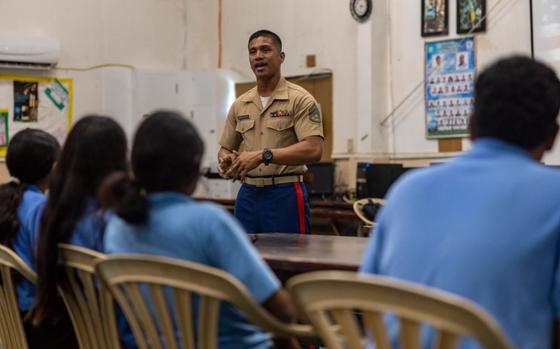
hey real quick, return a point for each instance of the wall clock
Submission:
(361, 9)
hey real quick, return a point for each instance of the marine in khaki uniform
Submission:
(271, 132)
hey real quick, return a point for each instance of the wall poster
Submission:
(450, 71)
(3, 127)
(35, 102)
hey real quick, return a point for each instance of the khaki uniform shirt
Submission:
(290, 116)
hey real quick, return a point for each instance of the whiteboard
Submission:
(34, 102)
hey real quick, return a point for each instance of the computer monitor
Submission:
(322, 179)
(374, 180)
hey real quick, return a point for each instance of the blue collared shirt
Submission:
(204, 233)
(90, 228)
(88, 233)
(29, 214)
(485, 226)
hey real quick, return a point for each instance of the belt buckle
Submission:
(259, 182)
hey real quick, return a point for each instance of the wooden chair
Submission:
(337, 302)
(89, 304)
(12, 333)
(155, 293)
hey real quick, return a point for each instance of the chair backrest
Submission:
(88, 302)
(359, 209)
(338, 303)
(155, 294)
(12, 334)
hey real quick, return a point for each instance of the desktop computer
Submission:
(374, 180)
(322, 179)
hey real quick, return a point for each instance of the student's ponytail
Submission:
(125, 197)
(11, 194)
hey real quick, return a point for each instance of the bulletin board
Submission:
(450, 69)
(35, 102)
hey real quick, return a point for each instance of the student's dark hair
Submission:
(166, 155)
(95, 147)
(517, 100)
(266, 33)
(30, 158)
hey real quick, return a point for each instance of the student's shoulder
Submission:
(34, 196)
(202, 210)
(419, 182)
(32, 201)
(419, 176)
(545, 176)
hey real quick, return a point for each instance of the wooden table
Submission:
(290, 254)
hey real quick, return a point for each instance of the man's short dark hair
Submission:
(267, 33)
(517, 100)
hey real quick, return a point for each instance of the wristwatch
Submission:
(267, 156)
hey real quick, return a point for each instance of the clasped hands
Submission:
(236, 165)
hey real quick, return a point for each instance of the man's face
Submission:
(264, 57)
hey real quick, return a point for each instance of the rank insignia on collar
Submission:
(279, 113)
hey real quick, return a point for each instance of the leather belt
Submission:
(265, 181)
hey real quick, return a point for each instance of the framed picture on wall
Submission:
(471, 16)
(4, 138)
(435, 18)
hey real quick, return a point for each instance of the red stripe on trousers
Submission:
(301, 213)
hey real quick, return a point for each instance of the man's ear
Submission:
(282, 57)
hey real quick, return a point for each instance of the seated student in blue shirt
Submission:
(30, 157)
(95, 147)
(486, 225)
(157, 216)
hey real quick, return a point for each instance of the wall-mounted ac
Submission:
(28, 52)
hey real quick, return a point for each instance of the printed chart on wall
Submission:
(34, 102)
(450, 70)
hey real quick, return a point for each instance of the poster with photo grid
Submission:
(450, 71)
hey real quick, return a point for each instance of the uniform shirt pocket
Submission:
(244, 125)
(280, 124)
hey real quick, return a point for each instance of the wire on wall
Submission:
(98, 66)
(421, 83)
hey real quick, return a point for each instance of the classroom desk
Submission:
(290, 254)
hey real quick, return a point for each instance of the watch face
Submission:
(268, 155)
(360, 9)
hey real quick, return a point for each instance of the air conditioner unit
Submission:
(37, 53)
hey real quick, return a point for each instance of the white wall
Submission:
(320, 27)
(375, 65)
(140, 33)
(508, 32)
